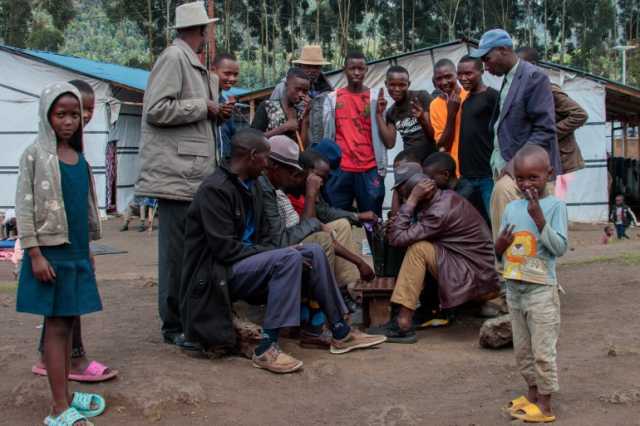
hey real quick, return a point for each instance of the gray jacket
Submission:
(177, 147)
(40, 210)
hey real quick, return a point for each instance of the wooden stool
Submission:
(376, 295)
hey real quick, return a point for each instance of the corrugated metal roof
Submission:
(134, 78)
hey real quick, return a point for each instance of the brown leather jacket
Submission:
(569, 117)
(464, 250)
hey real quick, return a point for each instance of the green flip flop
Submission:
(83, 402)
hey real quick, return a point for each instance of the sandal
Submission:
(82, 402)
(517, 404)
(95, 372)
(68, 417)
(531, 413)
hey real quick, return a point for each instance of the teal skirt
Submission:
(73, 293)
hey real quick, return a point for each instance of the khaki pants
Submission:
(505, 191)
(420, 258)
(535, 320)
(346, 272)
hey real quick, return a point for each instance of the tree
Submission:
(92, 35)
(43, 34)
(15, 19)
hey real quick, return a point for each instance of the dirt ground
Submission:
(445, 379)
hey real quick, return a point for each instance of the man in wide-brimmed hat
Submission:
(177, 149)
(311, 61)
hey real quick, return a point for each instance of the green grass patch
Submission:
(8, 287)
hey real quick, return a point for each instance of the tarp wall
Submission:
(126, 133)
(586, 192)
(21, 82)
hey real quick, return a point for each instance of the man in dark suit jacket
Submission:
(524, 114)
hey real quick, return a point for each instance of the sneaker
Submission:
(276, 361)
(141, 228)
(355, 340)
(315, 341)
(124, 228)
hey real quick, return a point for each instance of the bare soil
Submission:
(444, 379)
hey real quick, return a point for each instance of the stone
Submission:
(496, 333)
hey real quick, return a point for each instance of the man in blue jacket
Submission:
(524, 114)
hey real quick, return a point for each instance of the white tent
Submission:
(23, 75)
(587, 193)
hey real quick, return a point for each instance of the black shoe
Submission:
(170, 337)
(186, 345)
(142, 228)
(393, 333)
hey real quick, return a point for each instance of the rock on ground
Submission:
(496, 332)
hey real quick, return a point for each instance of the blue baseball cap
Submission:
(490, 40)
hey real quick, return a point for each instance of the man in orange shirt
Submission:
(444, 111)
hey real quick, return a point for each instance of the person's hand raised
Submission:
(505, 239)
(534, 209)
(313, 185)
(381, 105)
(422, 191)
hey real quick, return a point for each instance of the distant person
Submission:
(533, 233)
(57, 279)
(350, 120)
(445, 237)
(227, 69)
(525, 115)
(607, 235)
(569, 117)
(476, 146)
(178, 150)
(408, 116)
(622, 217)
(444, 112)
(280, 116)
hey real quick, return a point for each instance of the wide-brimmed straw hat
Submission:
(311, 55)
(192, 15)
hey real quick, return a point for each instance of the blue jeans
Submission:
(367, 188)
(483, 186)
(621, 231)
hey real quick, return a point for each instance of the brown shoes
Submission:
(355, 340)
(315, 341)
(276, 361)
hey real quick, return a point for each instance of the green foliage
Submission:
(44, 35)
(92, 35)
(15, 17)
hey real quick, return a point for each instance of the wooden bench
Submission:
(376, 296)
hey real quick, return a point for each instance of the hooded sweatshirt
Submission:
(40, 210)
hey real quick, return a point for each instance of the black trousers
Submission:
(170, 258)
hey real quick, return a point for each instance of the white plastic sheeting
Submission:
(21, 82)
(586, 191)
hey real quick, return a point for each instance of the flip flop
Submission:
(95, 372)
(40, 371)
(82, 402)
(67, 418)
(531, 413)
(516, 404)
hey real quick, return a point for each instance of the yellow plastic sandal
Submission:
(517, 404)
(532, 414)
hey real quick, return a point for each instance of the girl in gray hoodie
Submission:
(57, 215)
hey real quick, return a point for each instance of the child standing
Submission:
(533, 234)
(82, 370)
(57, 213)
(622, 217)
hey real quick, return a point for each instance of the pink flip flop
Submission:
(95, 372)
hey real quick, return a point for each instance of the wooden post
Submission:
(211, 35)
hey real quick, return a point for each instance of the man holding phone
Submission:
(227, 69)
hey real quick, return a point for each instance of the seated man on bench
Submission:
(223, 263)
(445, 236)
